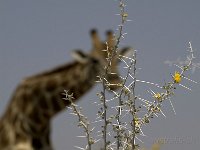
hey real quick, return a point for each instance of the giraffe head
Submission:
(99, 53)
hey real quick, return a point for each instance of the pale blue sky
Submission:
(39, 34)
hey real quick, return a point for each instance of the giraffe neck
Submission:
(41, 97)
(38, 98)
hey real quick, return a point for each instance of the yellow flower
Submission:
(137, 122)
(125, 15)
(157, 96)
(177, 77)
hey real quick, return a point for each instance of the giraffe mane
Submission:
(58, 69)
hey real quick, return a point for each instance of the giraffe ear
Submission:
(126, 51)
(80, 56)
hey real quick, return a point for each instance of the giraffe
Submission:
(25, 124)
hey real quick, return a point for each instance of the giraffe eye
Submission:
(95, 61)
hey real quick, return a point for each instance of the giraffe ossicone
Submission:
(25, 125)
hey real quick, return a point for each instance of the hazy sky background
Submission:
(36, 35)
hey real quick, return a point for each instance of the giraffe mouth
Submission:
(115, 82)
